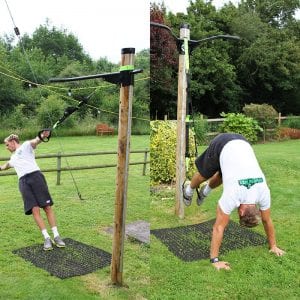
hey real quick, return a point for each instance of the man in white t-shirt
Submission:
(32, 185)
(230, 160)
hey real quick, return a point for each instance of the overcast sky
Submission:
(103, 27)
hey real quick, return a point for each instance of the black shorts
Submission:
(34, 190)
(208, 163)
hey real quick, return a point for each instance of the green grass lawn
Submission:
(82, 220)
(255, 274)
(150, 273)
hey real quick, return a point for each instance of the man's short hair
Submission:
(251, 217)
(12, 137)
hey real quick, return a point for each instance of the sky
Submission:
(103, 27)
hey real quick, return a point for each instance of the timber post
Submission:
(183, 68)
(124, 133)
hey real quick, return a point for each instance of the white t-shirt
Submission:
(243, 179)
(23, 160)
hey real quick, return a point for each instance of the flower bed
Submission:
(292, 133)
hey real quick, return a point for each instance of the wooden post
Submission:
(279, 119)
(181, 126)
(145, 162)
(124, 133)
(58, 168)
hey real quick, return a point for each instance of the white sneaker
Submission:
(48, 244)
(59, 242)
(187, 200)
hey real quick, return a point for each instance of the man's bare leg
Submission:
(215, 180)
(196, 180)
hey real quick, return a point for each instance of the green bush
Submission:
(239, 123)
(291, 122)
(51, 110)
(264, 114)
(201, 129)
(16, 119)
(163, 152)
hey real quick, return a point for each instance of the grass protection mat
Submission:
(192, 242)
(73, 260)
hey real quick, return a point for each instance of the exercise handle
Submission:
(44, 139)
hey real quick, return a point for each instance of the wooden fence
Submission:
(279, 119)
(59, 167)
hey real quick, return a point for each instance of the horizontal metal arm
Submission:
(165, 27)
(195, 43)
(214, 37)
(110, 77)
(105, 76)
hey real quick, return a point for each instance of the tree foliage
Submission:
(163, 60)
(263, 67)
(49, 53)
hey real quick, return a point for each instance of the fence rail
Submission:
(60, 169)
(220, 120)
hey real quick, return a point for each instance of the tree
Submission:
(163, 60)
(55, 43)
(277, 13)
(214, 85)
(10, 89)
(269, 69)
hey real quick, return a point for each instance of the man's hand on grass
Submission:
(277, 251)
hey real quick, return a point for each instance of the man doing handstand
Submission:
(230, 159)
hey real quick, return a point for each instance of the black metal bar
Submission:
(105, 76)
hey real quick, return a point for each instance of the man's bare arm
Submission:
(270, 232)
(222, 221)
(5, 166)
(34, 142)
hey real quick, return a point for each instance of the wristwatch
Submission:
(214, 260)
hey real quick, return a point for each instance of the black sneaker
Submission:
(200, 195)
(187, 200)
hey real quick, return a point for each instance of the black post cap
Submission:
(187, 26)
(128, 51)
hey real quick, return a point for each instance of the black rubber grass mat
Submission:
(192, 242)
(73, 260)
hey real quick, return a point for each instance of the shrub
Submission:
(239, 123)
(291, 122)
(51, 110)
(15, 120)
(201, 129)
(163, 152)
(264, 114)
